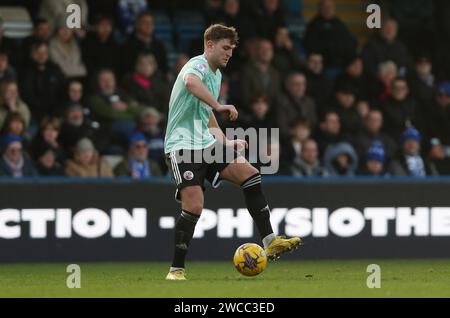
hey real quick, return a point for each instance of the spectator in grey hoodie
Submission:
(341, 160)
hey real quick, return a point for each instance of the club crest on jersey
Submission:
(201, 67)
(188, 175)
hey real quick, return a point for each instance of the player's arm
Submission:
(195, 85)
(217, 132)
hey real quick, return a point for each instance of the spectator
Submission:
(380, 90)
(41, 33)
(329, 131)
(143, 41)
(150, 126)
(137, 164)
(128, 11)
(410, 162)
(113, 109)
(146, 85)
(87, 162)
(260, 115)
(300, 131)
(7, 45)
(307, 164)
(13, 162)
(438, 114)
(180, 61)
(295, 103)
(375, 159)
(212, 10)
(345, 106)
(285, 58)
(341, 160)
(76, 127)
(41, 83)
(48, 138)
(269, 17)
(10, 102)
(259, 77)
(7, 72)
(438, 157)
(319, 87)
(232, 15)
(75, 93)
(327, 34)
(423, 82)
(99, 49)
(385, 46)
(15, 124)
(400, 110)
(372, 131)
(50, 10)
(46, 163)
(65, 52)
(354, 77)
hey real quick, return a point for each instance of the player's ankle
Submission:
(268, 239)
(173, 269)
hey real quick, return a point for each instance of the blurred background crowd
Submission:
(93, 102)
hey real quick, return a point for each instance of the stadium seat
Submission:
(189, 26)
(16, 22)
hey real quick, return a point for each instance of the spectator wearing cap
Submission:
(410, 162)
(13, 162)
(146, 84)
(65, 52)
(7, 72)
(341, 160)
(329, 36)
(400, 110)
(15, 125)
(438, 115)
(42, 83)
(294, 103)
(137, 164)
(439, 157)
(375, 160)
(307, 164)
(150, 125)
(87, 162)
(99, 48)
(46, 162)
(11, 102)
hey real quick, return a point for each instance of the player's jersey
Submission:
(187, 126)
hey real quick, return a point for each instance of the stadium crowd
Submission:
(68, 98)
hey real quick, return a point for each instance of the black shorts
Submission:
(195, 170)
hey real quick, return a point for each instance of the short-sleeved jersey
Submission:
(187, 126)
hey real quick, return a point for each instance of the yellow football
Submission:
(250, 259)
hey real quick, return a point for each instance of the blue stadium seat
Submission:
(189, 26)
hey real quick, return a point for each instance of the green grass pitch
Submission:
(399, 278)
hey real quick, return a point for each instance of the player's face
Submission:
(222, 52)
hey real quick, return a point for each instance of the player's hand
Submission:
(228, 110)
(238, 144)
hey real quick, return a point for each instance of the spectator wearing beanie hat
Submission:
(87, 162)
(375, 161)
(13, 162)
(137, 164)
(410, 162)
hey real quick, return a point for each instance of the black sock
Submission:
(257, 204)
(184, 230)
